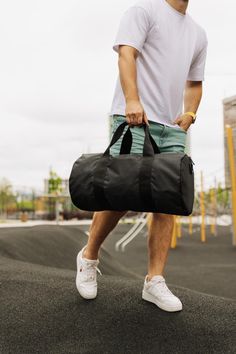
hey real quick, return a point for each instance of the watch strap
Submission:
(192, 114)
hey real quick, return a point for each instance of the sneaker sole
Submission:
(77, 283)
(148, 297)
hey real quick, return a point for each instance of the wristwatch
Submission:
(193, 115)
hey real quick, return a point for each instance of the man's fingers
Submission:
(139, 118)
(177, 120)
(127, 119)
(134, 118)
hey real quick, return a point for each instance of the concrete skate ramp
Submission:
(42, 312)
(53, 246)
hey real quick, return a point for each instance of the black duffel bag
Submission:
(148, 182)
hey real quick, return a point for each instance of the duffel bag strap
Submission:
(145, 189)
(149, 143)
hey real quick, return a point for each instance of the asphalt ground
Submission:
(41, 311)
(208, 267)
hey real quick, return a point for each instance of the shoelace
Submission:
(91, 268)
(162, 287)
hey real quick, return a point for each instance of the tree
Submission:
(54, 189)
(54, 183)
(6, 196)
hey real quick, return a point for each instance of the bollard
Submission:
(24, 216)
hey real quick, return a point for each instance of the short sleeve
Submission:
(197, 68)
(133, 28)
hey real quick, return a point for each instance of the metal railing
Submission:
(132, 233)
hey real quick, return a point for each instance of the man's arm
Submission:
(192, 96)
(134, 112)
(192, 99)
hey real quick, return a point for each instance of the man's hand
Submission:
(184, 121)
(135, 114)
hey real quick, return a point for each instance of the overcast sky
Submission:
(57, 79)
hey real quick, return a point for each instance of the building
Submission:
(229, 106)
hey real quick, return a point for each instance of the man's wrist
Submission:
(191, 114)
(133, 99)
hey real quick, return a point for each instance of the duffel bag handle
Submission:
(126, 143)
(116, 136)
(149, 148)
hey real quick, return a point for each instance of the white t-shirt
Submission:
(172, 49)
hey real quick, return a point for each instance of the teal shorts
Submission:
(168, 139)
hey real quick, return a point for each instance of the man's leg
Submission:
(161, 225)
(103, 223)
(159, 240)
(155, 289)
(87, 259)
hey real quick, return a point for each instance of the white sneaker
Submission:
(155, 290)
(86, 277)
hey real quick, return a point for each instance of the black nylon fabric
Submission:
(150, 182)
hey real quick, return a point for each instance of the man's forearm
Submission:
(128, 77)
(192, 96)
(134, 110)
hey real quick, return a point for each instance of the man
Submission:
(162, 53)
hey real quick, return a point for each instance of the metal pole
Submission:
(174, 238)
(190, 228)
(179, 230)
(215, 206)
(213, 219)
(57, 211)
(202, 204)
(233, 178)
